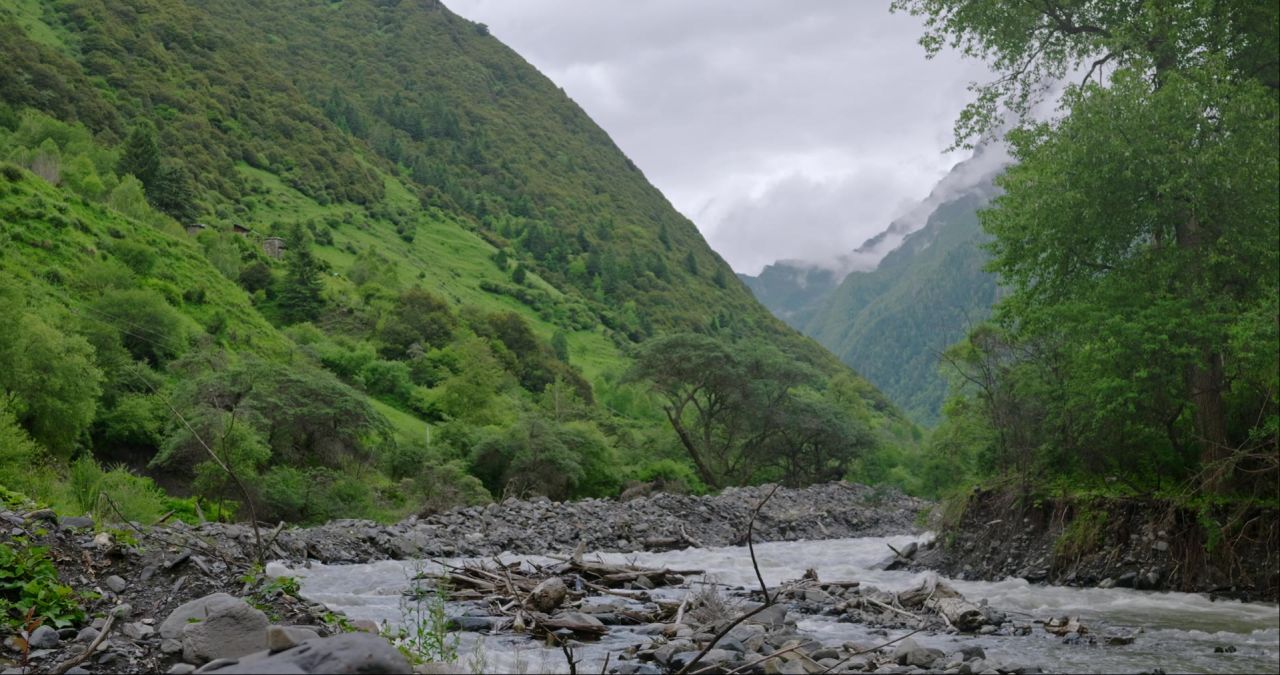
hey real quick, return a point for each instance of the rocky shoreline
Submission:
(1146, 544)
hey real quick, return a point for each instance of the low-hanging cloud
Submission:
(781, 129)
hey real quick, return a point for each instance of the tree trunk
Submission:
(703, 472)
(1206, 380)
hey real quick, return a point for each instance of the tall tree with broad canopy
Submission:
(747, 411)
(1142, 218)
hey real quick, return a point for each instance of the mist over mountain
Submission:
(889, 307)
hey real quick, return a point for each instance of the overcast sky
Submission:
(783, 129)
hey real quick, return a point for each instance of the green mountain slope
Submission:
(469, 262)
(892, 323)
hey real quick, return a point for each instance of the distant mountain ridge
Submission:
(894, 303)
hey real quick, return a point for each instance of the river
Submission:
(1180, 630)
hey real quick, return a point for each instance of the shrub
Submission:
(150, 328)
(29, 585)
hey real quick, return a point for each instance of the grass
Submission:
(445, 257)
(29, 14)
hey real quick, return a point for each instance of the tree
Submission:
(174, 193)
(301, 293)
(724, 401)
(1142, 222)
(141, 155)
(560, 345)
(49, 380)
(420, 317)
(148, 326)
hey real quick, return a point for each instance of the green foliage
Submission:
(29, 584)
(49, 377)
(427, 638)
(1136, 235)
(409, 186)
(419, 319)
(746, 411)
(115, 494)
(540, 456)
(301, 292)
(148, 326)
(1084, 534)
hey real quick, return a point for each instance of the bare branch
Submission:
(763, 589)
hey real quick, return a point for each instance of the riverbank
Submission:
(1146, 544)
(141, 575)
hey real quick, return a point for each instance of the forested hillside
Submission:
(320, 259)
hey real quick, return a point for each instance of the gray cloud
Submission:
(782, 129)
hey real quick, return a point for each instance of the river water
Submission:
(1180, 630)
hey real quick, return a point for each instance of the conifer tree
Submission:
(301, 296)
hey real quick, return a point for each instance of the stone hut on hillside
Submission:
(273, 246)
(241, 230)
(196, 228)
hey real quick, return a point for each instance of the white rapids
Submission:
(1180, 630)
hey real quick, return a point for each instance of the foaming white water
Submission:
(1181, 630)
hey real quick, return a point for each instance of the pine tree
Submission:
(301, 296)
(141, 156)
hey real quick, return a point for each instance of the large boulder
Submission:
(346, 654)
(191, 612)
(230, 630)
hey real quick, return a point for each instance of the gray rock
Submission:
(341, 654)
(76, 670)
(196, 610)
(549, 594)
(231, 630)
(138, 631)
(280, 638)
(715, 656)
(44, 637)
(638, 669)
(180, 669)
(440, 668)
(909, 653)
(75, 522)
(122, 611)
(970, 652)
(115, 583)
(170, 646)
(471, 623)
(216, 664)
(774, 617)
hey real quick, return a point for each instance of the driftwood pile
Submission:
(541, 599)
(933, 604)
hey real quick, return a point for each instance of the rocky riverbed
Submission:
(178, 598)
(136, 576)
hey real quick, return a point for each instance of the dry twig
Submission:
(93, 646)
(763, 589)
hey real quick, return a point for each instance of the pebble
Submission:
(115, 583)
